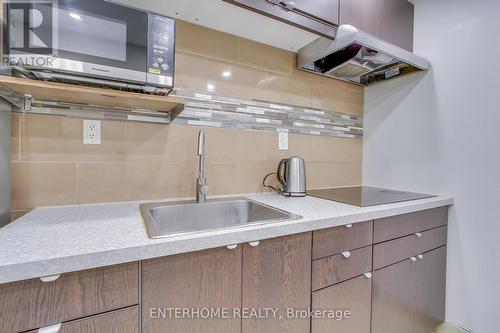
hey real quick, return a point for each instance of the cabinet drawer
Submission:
(388, 253)
(407, 224)
(32, 304)
(353, 295)
(335, 240)
(331, 270)
(120, 321)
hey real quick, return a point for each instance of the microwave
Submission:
(92, 42)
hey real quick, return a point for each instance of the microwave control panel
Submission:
(161, 44)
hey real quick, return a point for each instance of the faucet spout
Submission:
(201, 181)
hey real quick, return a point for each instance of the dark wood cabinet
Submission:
(206, 279)
(388, 253)
(393, 303)
(322, 270)
(431, 290)
(331, 270)
(402, 225)
(332, 241)
(119, 321)
(32, 304)
(353, 295)
(277, 274)
(410, 296)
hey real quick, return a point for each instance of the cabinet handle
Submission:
(346, 254)
(51, 278)
(413, 259)
(420, 256)
(348, 226)
(254, 244)
(368, 275)
(418, 234)
(232, 247)
(50, 329)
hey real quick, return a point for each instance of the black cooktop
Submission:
(364, 196)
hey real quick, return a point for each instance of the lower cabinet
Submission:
(431, 286)
(409, 296)
(271, 286)
(271, 274)
(120, 321)
(277, 275)
(351, 303)
(189, 282)
(31, 304)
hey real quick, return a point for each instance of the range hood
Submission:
(358, 57)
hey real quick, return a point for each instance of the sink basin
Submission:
(174, 218)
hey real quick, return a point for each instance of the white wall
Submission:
(440, 133)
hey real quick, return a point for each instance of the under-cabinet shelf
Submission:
(80, 101)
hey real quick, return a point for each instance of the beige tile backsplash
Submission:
(141, 161)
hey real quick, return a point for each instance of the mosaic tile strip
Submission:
(203, 109)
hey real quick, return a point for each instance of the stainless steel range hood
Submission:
(358, 57)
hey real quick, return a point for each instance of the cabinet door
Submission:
(277, 274)
(431, 289)
(31, 304)
(304, 16)
(326, 10)
(393, 298)
(207, 279)
(353, 295)
(120, 321)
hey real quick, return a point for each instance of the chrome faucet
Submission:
(201, 181)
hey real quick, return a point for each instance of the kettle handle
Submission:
(281, 172)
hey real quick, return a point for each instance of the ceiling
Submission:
(219, 15)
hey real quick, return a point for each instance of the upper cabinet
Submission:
(324, 10)
(317, 16)
(391, 20)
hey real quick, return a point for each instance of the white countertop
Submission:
(55, 240)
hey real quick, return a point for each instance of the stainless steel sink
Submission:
(168, 219)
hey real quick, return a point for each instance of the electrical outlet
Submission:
(91, 132)
(283, 140)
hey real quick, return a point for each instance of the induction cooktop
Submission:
(364, 196)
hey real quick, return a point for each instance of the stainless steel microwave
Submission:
(91, 41)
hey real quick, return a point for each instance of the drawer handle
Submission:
(346, 254)
(413, 259)
(232, 247)
(50, 329)
(368, 275)
(348, 226)
(418, 234)
(51, 278)
(254, 244)
(420, 256)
